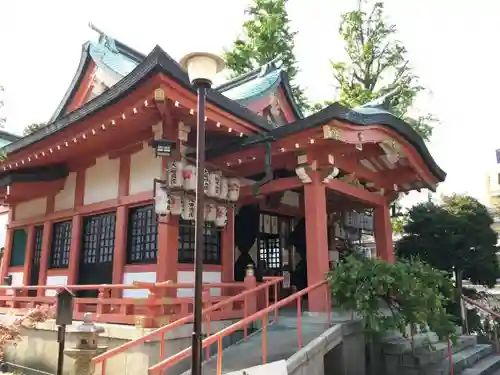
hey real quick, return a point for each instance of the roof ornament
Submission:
(104, 39)
(385, 102)
(270, 66)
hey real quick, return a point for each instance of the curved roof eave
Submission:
(158, 61)
(77, 78)
(337, 111)
(288, 93)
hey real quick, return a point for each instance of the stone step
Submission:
(486, 366)
(461, 360)
(399, 345)
(425, 355)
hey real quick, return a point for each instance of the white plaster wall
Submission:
(188, 277)
(55, 280)
(144, 167)
(4, 220)
(65, 199)
(101, 180)
(17, 280)
(32, 208)
(130, 277)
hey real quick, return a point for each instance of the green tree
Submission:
(33, 128)
(266, 35)
(415, 294)
(377, 63)
(455, 237)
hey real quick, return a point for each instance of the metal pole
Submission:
(198, 228)
(61, 339)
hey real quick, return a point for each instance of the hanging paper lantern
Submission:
(234, 189)
(224, 188)
(339, 231)
(176, 204)
(175, 178)
(189, 175)
(210, 212)
(214, 185)
(188, 208)
(351, 219)
(366, 222)
(221, 218)
(162, 201)
(206, 180)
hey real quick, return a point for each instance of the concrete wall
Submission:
(38, 348)
(339, 350)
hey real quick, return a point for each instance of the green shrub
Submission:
(394, 296)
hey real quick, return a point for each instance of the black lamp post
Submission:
(202, 68)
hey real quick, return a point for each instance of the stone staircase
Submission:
(431, 357)
(319, 339)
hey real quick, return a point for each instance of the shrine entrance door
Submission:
(98, 244)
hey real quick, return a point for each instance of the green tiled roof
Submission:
(6, 138)
(107, 57)
(256, 88)
(242, 89)
(119, 60)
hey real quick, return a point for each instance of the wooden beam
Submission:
(275, 186)
(356, 193)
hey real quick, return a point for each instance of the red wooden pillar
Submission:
(316, 240)
(120, 252)
(167, 259)
(75, 248)
(28, 257)
(45, 254)
(383, 233)
(7, 253)
(227, 258)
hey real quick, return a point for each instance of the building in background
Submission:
(493, 190)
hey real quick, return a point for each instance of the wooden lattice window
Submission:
(37, 250)
(61, 243)
(212, 248)
(274, 229)
(99, 238)
(142, 242)
(270, 250)
(18, 254)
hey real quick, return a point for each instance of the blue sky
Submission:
(451, 46)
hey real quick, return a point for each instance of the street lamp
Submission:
(201, 68)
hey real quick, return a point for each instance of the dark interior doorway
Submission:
(35, 264)
(98, 244)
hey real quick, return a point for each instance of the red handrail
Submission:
(489, 311)
(479, 306)
(262, 314)
(102, 358)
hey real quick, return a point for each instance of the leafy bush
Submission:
(412, 294)
(10, 327)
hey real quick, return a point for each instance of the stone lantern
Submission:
(86, 346)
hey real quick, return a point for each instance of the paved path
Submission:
(281, 344)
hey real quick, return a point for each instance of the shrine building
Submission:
(94, 200)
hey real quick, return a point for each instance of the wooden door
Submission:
(35, 262)
(98, 245)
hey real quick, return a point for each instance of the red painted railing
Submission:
(248, 298)
(492, 313)
(160, 307)
(260, 315)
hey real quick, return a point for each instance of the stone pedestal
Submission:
(86, 348)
